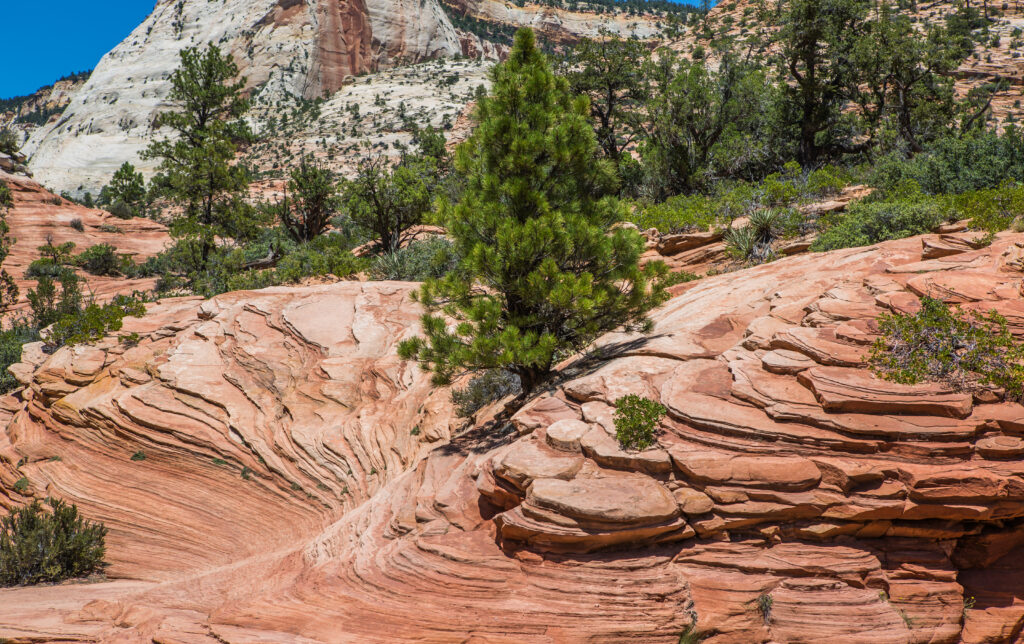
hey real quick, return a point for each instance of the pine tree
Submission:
(541, 271)
(197, 167)
(126, 193)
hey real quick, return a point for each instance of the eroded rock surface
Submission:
(786, 475)
(39, 216)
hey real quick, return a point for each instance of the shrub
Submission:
(49, 305)
(101, 259)
(8, 142)
(829, 180)
(484, 389)
(417, 262)
(11, 341)
(679, 277)
(40, 546)
(94, 321)
(44, 267)
(991, 210)
(6, 200)
(635, 420)
(325, 255)
(77, 224)
(967, 351)
(679, 214)
(958, 164)
(866, 223)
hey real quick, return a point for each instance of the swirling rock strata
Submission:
(792, 496)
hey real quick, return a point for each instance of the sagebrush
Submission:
(40, 545)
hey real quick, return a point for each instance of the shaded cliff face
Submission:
(792, 497)
(43, 106)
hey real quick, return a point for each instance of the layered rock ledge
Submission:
(786, 475)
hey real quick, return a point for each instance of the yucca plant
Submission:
(753, 242)
(39, 545)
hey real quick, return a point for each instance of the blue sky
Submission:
(46, 40)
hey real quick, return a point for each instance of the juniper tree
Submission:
(198, 173)
(386, 201)
(306, 214)
(609, 70)
(542, 272)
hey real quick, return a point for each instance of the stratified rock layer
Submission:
(792, 495)
(39, 217)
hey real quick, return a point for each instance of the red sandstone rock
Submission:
(865, 511)
(36, 217)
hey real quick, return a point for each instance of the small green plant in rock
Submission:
(40, 546)
(690, 635)
(968, 605)
(635, 420)
(21, 486)
(764, 604)
(966, 350)
(139, 456)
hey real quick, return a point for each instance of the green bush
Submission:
(957, 164)
(828, 180)
(41, 546)
(11, 341)
(635, 420)
(699, 212)
(101, 259)
(49, 305)
(865, 223)
(180, 269)
(419, 261)
(45, 267)
(53, 260)
(94, 321)
(326, 255)
(992, 210)
(6, 200)
(679, 214)
(484, 389)
(967, 351)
